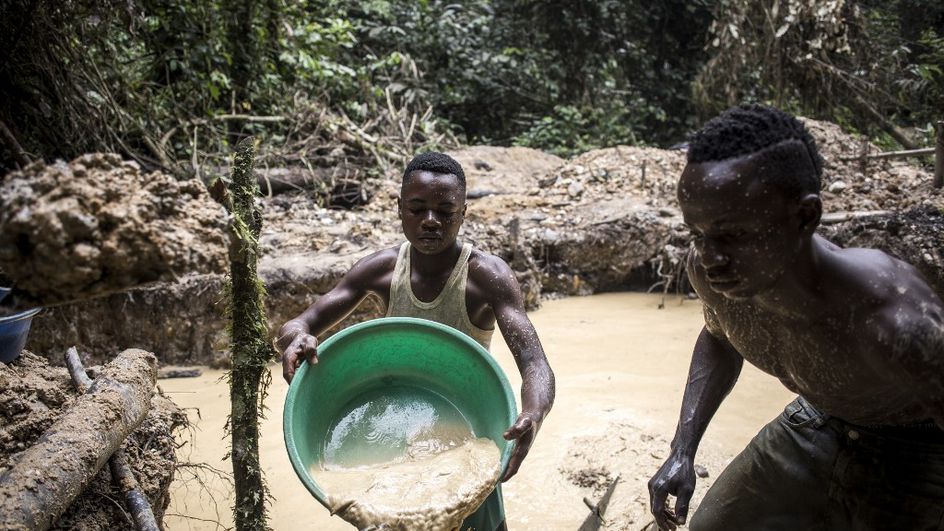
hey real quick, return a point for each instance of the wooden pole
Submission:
(939, 156)
(864, 157)
(894, 154)
(44, 480)
(251, 349)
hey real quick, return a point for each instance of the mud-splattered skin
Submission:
(855, 331)
(432, 208)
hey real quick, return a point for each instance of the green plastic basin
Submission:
(390, 355)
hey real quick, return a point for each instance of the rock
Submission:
(701, 471)
(575, 189)
(550, 237)
(837, 187)
(482, 165)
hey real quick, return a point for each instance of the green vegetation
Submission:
(362, 85)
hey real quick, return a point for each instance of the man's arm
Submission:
(714, 370)
(297, 338)
(537, 379)
(917, 352)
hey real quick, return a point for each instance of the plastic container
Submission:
(387, 354)
(14, 330)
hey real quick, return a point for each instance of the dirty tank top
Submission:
(447, 308)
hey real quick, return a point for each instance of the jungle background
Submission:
(173, 84)
(119, 120)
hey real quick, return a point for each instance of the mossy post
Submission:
(251, 349)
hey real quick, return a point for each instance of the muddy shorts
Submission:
(808, 471)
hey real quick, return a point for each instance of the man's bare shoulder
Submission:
(374, 266)
(486, 269)
(876, 279)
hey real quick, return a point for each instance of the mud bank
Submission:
(606, 220)
(33, 395)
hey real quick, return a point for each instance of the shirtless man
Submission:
(857, 334)
(436, 277)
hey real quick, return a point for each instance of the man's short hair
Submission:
(783, 143)
(435, 162)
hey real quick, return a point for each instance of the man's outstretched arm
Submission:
(297, 338)
(715, 368)
(537, 379)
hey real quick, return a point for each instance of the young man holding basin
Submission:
(434, 276)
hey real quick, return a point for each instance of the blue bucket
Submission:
(13, 332)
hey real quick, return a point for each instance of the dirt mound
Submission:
(882, 184)
(99, 224)
(33, 395)
(646, 173)
(511, 170)
(605, 220)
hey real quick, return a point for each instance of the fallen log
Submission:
(274, 181)
(892, 154)
(165, 374)
(47, 477)
(839, 217)
(121, 474)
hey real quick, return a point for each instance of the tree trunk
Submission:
(242, 46)
(939, 156)
(48, 476)
(893, 130)
(251, 348)
(135, 500)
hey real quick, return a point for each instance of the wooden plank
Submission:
(893, 154)
(939, 156)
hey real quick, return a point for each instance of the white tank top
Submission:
(447, 308)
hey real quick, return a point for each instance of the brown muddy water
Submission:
(620, 364)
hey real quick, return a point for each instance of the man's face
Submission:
(746, 233)
(432, 208)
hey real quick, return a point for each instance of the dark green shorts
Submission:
(808, 471)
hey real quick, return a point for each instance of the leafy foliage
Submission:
(874, 66)
(352, 85)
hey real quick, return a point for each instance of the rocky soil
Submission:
(605, 220)
(99, 224)
(34, 394)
